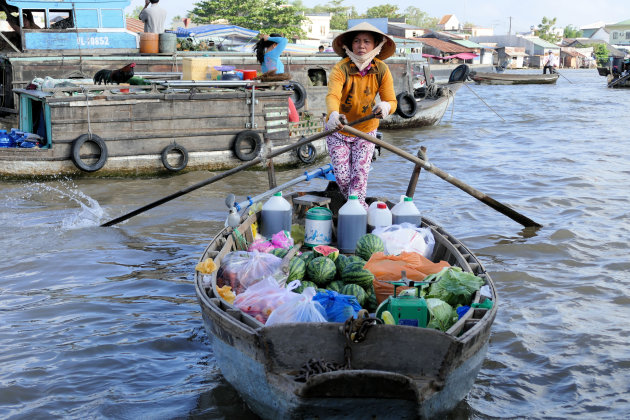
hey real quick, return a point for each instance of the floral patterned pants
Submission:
(351, 158)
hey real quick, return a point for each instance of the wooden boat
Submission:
(513, 78)
(397, 371)
(159, 128)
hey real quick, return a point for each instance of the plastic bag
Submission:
(388, 267)
(299, 308)
(261, 299)
(338, 307)
(242, 269)
(406, 237)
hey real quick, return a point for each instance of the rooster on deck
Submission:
(114, 76)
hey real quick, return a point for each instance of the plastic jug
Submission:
(318, 227)
(5, 141)
(406, 212)
(379, 216)
(351, 224)
(276, 215)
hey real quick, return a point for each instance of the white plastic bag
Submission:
(406, 237)
(299, 308)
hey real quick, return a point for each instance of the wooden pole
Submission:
(489, 201)
(413, 181)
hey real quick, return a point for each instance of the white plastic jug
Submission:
(276, 215)
(406, 212)
(351, 224)
(379, 216)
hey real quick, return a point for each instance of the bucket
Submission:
(168, 43)
(249, 74)
(318, 227)
(149, 43)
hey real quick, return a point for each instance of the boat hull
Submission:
(514, 79)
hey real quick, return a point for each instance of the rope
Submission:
(354, 331)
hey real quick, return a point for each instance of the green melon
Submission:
(336, 286)
(304, 284)
(341, 262)
(321, 270)
(368, 244)
(307, 256)
(355, 290)
(370, 303)
(297, 269)
(354, 273)
(279, 252)
(326, 251)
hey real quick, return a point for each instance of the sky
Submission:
(484, 13)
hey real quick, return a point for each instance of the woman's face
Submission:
(363, 43)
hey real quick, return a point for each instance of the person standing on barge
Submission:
(268, 50)
(153, 17)
(352, 88)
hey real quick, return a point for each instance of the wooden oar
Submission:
(564, 76)
(502, 208)
(225, 174)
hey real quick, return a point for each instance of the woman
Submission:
(268, 50)
(352, 88)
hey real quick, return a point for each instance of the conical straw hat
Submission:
(387, 51)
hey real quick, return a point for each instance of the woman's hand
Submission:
(336, 121)
(265, 37)
(381, 110)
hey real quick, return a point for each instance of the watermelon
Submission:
(344, 260)
(326, 251)
(354, 273)
(307, 256)
(335, 286)
(297, 269)
(321, 270)
(368, 244)
(355, 290)
(279, 252)
(304, 285)
(370, 303)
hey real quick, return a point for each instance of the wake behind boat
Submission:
(509, 78)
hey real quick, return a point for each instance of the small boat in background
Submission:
(508, 78)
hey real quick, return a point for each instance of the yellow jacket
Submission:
(353, 95)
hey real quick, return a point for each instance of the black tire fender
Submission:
(299, 94)
(175, 148)
(247, 137)
(76, 152)
(459, 74)
(407, 106)
(306, 153)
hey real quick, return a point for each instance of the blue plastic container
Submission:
(5, 140)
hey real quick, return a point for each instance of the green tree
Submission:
(601, 54)
(417, 17)
(135, 12)
(546, 30)
(384, 11)
(571, 31)
(260, 15)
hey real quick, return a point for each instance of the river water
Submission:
(103, 322)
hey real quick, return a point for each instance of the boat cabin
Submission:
(83, 26)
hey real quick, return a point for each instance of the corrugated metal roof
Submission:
(134, 25)
(444, 46)
(542, 43)
(408, 42)
(469, 44)
(444, 19)
(622, 23)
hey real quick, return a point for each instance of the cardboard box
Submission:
(196, 68)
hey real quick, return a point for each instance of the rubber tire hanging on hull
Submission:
(247, 137)
(175, 148)
(459, 74)
(306, 153)
(299, 94)
(407, 105)
(76, 152)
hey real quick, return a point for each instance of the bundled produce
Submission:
(443, 316)
(262, 298)
(454, 286)
(242, 269)
(298, 308)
